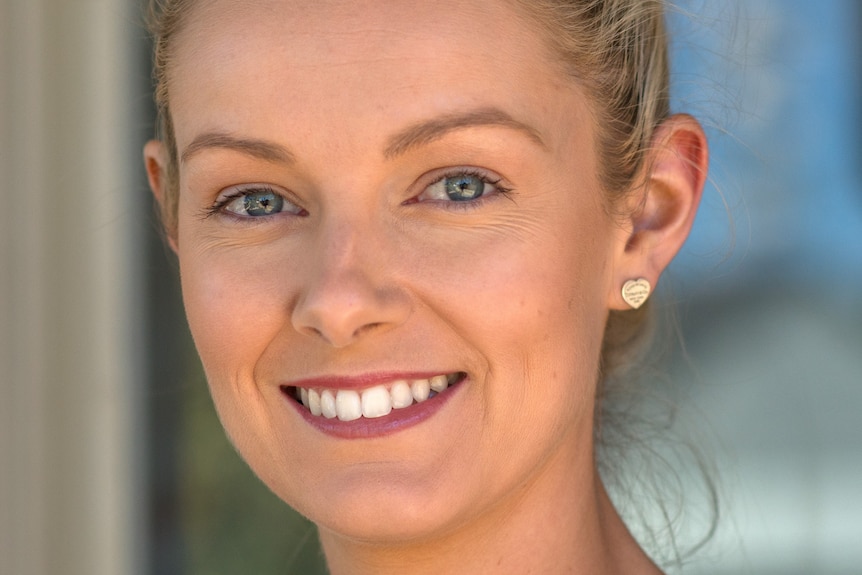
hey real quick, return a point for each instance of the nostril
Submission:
(332, 336)
(338, 308)
(316, 332)
(364, 329)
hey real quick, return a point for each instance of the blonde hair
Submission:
(164, 20)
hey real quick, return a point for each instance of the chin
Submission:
(379, 507)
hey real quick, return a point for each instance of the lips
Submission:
(372, 402)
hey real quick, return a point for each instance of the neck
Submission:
(563, 522)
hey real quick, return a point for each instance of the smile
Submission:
(375, 401)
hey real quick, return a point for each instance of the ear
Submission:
(663, 211)
(156, 162)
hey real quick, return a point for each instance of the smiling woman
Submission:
(404, 231)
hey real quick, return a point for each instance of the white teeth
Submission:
(376, 402)
(421, 389)
(400, 395)
(327, 404)
(348, 406)
(439, 383)
(314, 402)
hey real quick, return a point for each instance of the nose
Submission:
(348, 290)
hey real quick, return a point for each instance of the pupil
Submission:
(464, 188)
(262, 204)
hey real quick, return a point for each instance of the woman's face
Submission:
(373, 194)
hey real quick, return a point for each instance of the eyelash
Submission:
(468, 205)
(218, 207)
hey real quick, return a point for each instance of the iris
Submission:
(464, 187)
(262, 203)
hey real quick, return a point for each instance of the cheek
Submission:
(534, 307)
(232, 303)
(235, 309)
(534, 312)
(545, 285)
(553, 320)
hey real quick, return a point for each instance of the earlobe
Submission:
(661, 220)
(155, 162)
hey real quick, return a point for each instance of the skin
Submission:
(373, 274)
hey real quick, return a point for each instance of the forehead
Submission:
(324, 26)
(348, 59)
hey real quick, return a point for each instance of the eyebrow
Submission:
(262, 149)
(427, 131)
(414, 136)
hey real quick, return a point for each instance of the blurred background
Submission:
(112, 460)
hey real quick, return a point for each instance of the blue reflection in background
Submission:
(772, 313)
(782, 77)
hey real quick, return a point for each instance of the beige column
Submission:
(70, 289)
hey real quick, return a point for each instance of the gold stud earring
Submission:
(636, 292)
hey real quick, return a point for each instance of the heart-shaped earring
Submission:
(636, 292)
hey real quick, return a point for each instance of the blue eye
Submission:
(460, 187)
(463, 187)
(258, 202)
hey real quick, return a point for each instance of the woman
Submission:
(406, 230)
